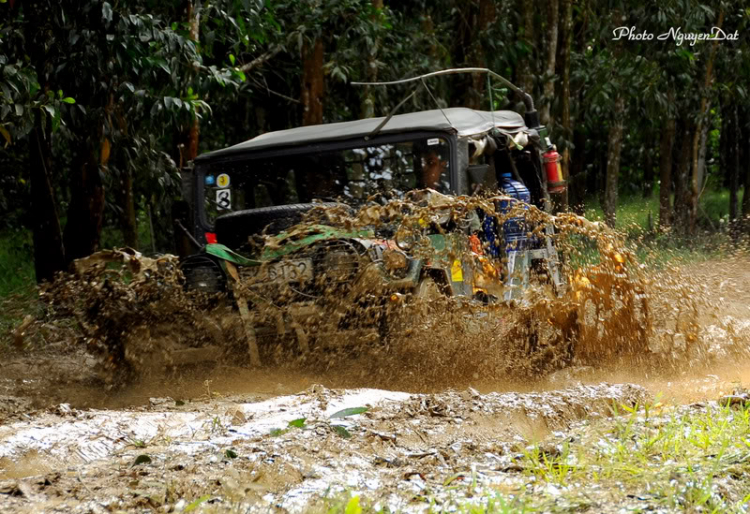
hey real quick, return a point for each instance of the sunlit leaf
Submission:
(142, 459)
(196, 503)
(353, 506)
(5, 134)
(298, 423)
(107, 12)
(348, 412)
(342, 431)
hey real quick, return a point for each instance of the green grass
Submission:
(17, 281)
(647, 458)
(638, 219)
(16, 262)
(681, 459)
(633, 211)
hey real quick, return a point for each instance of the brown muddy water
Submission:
(453, 393)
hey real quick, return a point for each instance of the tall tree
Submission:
(49, 252)
(526, 39)
(665, 163)
(682, 175)
(566, 37)
(553, 9)
(313, 83)
(733, 162)
(614, 151)
(700, 136)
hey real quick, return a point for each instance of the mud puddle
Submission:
(285, 452)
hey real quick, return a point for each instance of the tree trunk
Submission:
(472, 19)
(49, 251)
(577, 178)
(648, 172)
(191, 151)
(682, 179)
(549, 73)
(665, 170)
(86, 211)
(526, 36)
(614, 150)
(312, 83)
(566, 26)
(367, 107)
(594, 179)
(699, 138)
(746, 160)
(49, 254)
(699, 174)
(724, 142)
(577, 182)
(128, 223)
(733, 161)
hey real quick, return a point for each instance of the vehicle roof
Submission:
(457, 120)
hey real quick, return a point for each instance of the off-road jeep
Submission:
(267, 185)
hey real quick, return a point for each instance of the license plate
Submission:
(285, 271)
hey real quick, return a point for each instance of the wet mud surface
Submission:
(244, 453)
(237, 439)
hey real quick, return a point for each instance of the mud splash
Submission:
(134, 314)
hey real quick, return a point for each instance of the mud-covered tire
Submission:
(203, 274)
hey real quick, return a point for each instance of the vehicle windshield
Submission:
(349, 176)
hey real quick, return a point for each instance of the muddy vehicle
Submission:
(268, 184)
(272, 219)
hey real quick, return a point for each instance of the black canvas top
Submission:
(461, 121)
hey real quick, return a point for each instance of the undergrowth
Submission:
(645, 458)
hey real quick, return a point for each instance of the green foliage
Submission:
(197, 503)
(297, 423)
(142, 459)
(348, 412)
(16, 262)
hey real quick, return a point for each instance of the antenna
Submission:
(492, 103)
(527, 99)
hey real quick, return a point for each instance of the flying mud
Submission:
(136, 317)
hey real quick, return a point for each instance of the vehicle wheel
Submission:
(203, 274)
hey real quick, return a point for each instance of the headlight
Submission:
(405, 241)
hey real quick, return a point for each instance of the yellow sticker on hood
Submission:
(457, 272)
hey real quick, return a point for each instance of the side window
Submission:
(398, 168)
(432, 159)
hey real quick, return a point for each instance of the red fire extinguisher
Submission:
(555, 181)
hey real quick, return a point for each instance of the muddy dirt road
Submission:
(218, 438)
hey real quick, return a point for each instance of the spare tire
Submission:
(234, 229)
